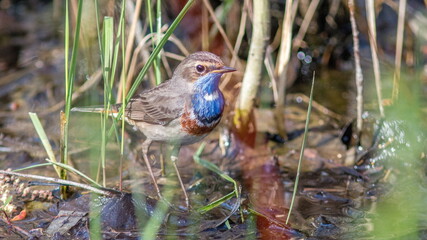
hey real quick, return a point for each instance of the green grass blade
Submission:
(218, 171)
(216, 203)
(113, 67)
(71, 69)
(70, 72)
(150, 17)
(110, 54)
(67, 48)
(159, 34)
(210, 165)
(107, 47)
(45, 141)
(107, 55)
(34, 166)
(99, 33)
(71, 169)
(123, 81)
(150, 23)
(117, 44)
(307, 121)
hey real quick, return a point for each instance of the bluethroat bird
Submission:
(180, 111)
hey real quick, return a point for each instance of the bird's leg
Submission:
(145, 146)
(174, 158)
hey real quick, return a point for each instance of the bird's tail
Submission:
(99, 109)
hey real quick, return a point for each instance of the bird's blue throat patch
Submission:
(207, 100)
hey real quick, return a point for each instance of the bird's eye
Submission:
(200, 68)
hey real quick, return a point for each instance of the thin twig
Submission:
(62, 182)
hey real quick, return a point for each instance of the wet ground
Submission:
(375, 191)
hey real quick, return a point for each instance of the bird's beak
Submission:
(224, 70)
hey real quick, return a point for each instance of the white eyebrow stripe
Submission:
(211, 97)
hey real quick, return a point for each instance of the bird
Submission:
(180, 111)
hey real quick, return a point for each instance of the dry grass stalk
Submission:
(333, 9)
(358, 69)
(238, 43)
(370, 9)
(220, 28)
(399, 48)
(284, 52)
(305, 23)
(268, 62)
(129, 46)
(283, 62)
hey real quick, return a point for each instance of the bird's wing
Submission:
(159, 105)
